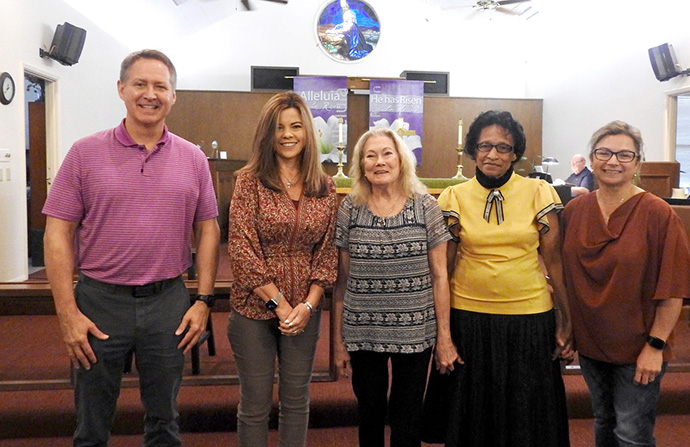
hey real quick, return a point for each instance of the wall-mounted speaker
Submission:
(274, 78)
(435, 82)
(664, 63)
(67, 44)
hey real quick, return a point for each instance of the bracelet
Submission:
(309, 306)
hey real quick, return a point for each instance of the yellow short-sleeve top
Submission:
(497, 268)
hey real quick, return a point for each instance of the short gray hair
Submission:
(618, 128)
(148, 54)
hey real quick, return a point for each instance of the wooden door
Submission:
(36, 180)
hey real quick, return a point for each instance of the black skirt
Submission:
(509, 393)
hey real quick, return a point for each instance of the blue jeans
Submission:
(147, 325)
(624, 412)
(255, 345)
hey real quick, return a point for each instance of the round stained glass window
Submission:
(348, 30)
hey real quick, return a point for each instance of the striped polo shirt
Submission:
(135, 208)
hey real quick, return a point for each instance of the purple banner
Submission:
(399, 105)
(327, 99)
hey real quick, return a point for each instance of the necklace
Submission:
(607, 208)
(383, 215)
(290, 181)
(612, 202)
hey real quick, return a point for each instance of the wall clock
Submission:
(348, 30)
(7, 88)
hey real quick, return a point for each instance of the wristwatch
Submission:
(208, 299)
(656, 342)
(273, 303)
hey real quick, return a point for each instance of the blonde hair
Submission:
(408, 181)
(263, 161)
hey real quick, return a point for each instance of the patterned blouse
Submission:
(389, 301)
(272, 239)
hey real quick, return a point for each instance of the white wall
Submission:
(414, 36)
(591, 66)
(86, 101)
(587, 59)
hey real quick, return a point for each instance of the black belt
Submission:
(145, 290)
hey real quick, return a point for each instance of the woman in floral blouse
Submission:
(281, 247)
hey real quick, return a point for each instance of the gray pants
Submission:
(256, 344)
(147, 325)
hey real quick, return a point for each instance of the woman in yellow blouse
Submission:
(508, 328)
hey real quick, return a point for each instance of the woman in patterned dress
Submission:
(391, 299)
(282, 225)
(508, 328)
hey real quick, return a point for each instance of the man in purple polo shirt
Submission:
(122, 209)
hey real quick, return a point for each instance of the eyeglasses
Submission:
(501, 148)
(621, 156)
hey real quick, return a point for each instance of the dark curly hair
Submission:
(500, 118)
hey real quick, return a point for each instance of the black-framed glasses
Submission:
(501, 147)
(604, 154)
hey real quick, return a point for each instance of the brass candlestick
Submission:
(458, 175)
(340, 173)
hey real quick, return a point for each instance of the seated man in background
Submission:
(581, 179)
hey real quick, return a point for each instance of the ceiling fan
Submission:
(246, 5)
(493, 5)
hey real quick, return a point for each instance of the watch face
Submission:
(656, 343)
(208, 299)
(271, 305)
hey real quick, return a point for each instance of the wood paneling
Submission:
(230, 119)
(683, 212)
(223, 174)
(441, 115)
(659, 177)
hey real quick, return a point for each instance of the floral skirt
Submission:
(509, 393)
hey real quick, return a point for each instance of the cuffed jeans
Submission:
(370, 379)
(147, 325)
(624, 412)
(255, 345)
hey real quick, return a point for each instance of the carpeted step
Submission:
(214, 408)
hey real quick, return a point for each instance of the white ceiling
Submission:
(168, 21)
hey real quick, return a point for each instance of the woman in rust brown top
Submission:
(626, 258)
(283, 256)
